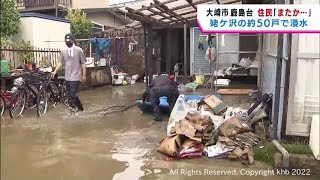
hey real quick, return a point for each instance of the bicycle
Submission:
(16, 103)
(58, 91)
(2, 105)
(33, 88)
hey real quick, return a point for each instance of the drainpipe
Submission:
(56, 5)
(284, 152)
(278, 83)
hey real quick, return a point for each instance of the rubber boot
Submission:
(157, 114)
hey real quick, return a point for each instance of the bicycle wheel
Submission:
(17, 103)
(42, 102)
(31, 100)
(64, 95)
(2, 105)
(53, 92)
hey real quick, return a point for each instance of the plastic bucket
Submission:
(5, 69)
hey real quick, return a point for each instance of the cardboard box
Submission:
(215, 104)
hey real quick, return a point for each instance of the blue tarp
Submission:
(101, 44)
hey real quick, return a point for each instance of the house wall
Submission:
(304, 91)
(86, 4)
(304, 78)
(268, 76)
(38, 30)
(105, 18)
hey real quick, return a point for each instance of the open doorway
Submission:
(176, 45)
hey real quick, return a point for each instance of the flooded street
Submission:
(91, 146)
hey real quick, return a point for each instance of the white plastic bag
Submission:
(178, 113)
(245, 62)
(213, 54)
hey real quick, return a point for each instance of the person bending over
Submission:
(161, 86)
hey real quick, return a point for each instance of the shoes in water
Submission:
(80, 107)
(73, 109)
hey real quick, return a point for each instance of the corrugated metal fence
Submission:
(41, 56)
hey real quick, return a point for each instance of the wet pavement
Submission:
(91, 146)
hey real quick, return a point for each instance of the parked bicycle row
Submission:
(33, 91)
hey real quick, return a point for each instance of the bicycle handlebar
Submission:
(36, 77)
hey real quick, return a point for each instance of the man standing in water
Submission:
(75, 70)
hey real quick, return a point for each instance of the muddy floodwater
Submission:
(91, 146)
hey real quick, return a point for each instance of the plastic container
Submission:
(5, 68)
(164, 101)
(90, 62)
(314, 137)
(103, 62)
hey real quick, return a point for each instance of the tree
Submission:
(9, 21)
(80, 26)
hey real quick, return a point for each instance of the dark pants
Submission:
(73, 88)
(159, 91)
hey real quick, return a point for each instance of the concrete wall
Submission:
(87, 4)
(38, 30)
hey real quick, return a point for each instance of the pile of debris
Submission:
(210, 128)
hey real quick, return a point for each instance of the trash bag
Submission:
(190, 87)
(174, 113)
(217, 120)
(217, 150)
(191, 149)
(192, 104)
(200, 79)
(245, 62)
(211, 54)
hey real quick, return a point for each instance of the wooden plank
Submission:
(145, 28)
(170, 17)
(143, 18)
(149, 65)
(232, 2)
(167, 10)
(185, 52)
(182, 14)
(234, 91)
(168, 50)
(191, 4)
(152, 6)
